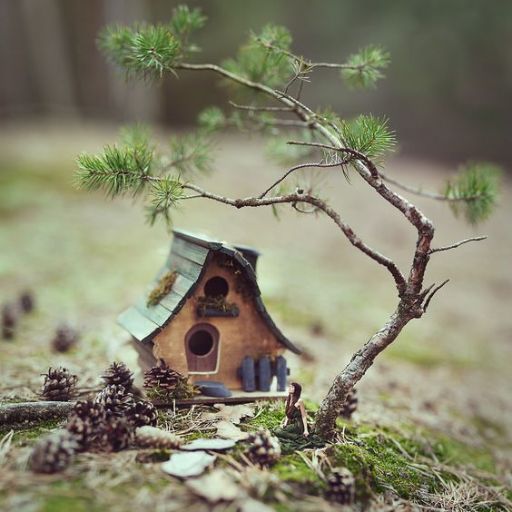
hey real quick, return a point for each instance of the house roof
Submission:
(189, 257)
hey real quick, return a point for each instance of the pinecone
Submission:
(152, 437)
(27, 301)
(66, 337)
(9, 320)
(350, 405)
(59, 384)
(89, 410)
(120, 374)
(115, 400)
(264, 449)
(81, 430)
(142, 413)
(53, 453)
(113, 434)
(341, 486)
(164, 383)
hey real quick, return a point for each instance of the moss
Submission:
(268, 416)
(292, 469)
(379, 465)
(162, 288)
(30, 433)
(207, 304)
(384, 459)
(59, 503)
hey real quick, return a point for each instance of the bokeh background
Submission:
(448, 96)
(447, 90)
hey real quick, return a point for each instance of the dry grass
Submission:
(87, 258)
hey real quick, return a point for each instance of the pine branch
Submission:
(474, 192)
(143, 50)
(117, 171)
(164, 196)
(364, 69)
(267, 68)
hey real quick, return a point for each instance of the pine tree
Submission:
(269, 78)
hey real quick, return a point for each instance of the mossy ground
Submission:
(432, 425)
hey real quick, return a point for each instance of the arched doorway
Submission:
(202, 348)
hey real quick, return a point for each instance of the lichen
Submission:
(162, 288)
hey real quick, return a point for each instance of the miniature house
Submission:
(204, 316)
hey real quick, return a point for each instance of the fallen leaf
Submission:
(227, 430)
(215, 444)
(232, 413)
(215, 486)
(187, 464)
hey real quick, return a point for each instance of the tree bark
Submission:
(325, 421)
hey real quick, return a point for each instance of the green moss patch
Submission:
(31, 433)
(293, 469)
(405, 460)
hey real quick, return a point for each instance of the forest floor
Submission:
(433, 430)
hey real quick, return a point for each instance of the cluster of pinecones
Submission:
(11, 313)
(106, 423)
(163, 383)
(264, 449)
(341, 486)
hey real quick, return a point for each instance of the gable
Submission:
(189, 257)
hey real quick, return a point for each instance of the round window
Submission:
(216, 287)
(201, 342)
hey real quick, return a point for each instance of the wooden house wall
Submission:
(245, 335)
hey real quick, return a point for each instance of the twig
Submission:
(434, 291)
(427, 194)
(457, 244)
(296, 168)
(255, 108)
(321, 205)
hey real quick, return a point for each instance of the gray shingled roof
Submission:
(189, 256)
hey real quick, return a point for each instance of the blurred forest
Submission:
(446, 91)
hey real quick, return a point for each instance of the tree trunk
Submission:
(361, 361)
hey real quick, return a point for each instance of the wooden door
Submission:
(202, 348)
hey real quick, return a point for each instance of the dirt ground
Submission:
(87, 257)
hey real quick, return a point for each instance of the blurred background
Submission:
(447, 94)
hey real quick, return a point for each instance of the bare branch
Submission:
(302, 111)
(307, 212)
(434, 291)
(296, 168)
(309, 64)
(320, 205)
(458, 244)
(424, 193)
(255, 108)
(288, 122)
